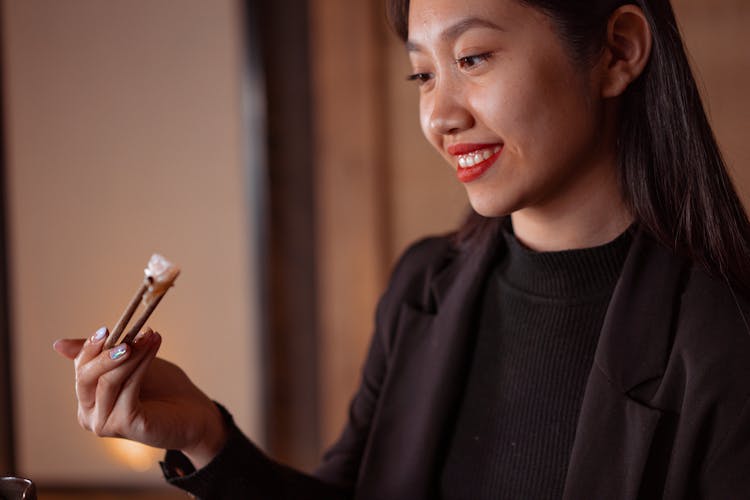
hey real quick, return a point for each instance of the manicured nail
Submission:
(99, 335)
(118, 352)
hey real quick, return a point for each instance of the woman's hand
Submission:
(127, 392)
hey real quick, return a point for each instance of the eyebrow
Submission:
(457, 29)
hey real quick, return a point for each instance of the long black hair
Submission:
(672, 174)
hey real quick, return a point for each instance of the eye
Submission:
(420, 78)
(469, 62)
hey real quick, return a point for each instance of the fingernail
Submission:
(99, 335)
(144, 337)
(118, 351)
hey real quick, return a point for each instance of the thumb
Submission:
(68, 347)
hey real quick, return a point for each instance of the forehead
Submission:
(432, 20)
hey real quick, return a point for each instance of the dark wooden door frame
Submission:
(278, 45)
(7, 455)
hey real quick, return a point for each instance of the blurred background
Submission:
(270, 148)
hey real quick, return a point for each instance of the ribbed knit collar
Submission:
(568, 274)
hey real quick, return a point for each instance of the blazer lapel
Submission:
(616, 429)
(425, 381)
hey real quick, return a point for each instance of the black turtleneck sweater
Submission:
(538, 330)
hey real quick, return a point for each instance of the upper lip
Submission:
(465, 148)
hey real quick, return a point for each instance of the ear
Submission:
(626, 50)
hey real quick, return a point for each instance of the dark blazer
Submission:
(666, 410)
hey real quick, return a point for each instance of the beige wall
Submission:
(125, 138)
(717, 38)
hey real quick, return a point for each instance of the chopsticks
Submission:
(154, 287)
(130, 336)
(125, 318)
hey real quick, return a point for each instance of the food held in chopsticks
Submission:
(160, 275)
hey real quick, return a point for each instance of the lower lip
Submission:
(468, 174)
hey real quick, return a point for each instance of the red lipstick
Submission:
(472, 171)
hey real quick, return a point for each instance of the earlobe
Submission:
(627, 49)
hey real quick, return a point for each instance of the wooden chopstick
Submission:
(130, 336)
(156, 291)
(125, 318)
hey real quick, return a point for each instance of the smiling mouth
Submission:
(476, 157)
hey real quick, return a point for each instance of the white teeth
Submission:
(471, 159)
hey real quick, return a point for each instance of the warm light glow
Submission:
(137, 456)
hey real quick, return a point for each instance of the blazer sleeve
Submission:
(241, 470)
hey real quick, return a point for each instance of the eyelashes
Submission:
(466, 63)
(473, 61)
(419, 78)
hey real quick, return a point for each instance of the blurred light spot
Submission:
(137, 456)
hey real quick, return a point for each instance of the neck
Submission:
(562, 233)
(589, 217)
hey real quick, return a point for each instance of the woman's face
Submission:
(502, 101)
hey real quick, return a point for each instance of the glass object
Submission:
(17, 488)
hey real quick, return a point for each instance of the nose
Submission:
(449, 114)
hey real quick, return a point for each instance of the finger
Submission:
(92, 347)
(88, 373)
(108, 390)
(68, 347)
(88, 370)
(132, 386)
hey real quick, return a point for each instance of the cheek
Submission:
(510, 109)
(425, 113)
(549, 114)
(571, 125)
(566, 92)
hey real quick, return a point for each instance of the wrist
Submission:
(213, 439)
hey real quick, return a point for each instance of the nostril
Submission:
(450, 121)
(445, 127)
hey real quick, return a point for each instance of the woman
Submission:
(584, 335)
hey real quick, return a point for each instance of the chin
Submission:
(490, 207)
